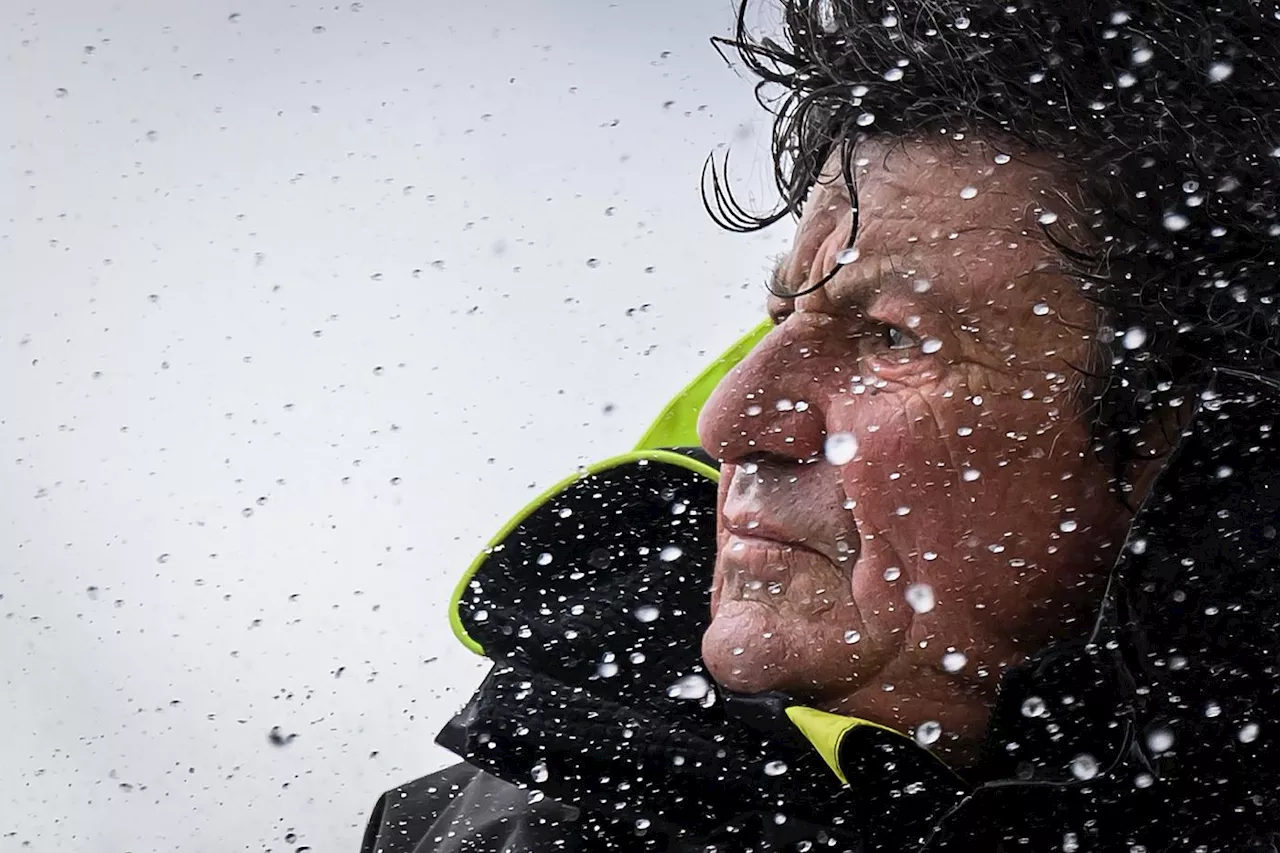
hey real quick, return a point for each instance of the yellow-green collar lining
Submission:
(825, 731)
(676, 426)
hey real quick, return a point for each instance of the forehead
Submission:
(970, 215)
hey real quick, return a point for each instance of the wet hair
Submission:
(1165, 113)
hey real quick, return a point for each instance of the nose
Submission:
(774, 401)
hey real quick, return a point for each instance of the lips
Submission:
(759, 531)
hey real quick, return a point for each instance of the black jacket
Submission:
(596, 728)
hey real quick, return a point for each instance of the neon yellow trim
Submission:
(677, 426)
(665, 456)
(825, 731)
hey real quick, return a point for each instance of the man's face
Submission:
(906, 466)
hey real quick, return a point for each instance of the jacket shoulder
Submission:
(462, 808)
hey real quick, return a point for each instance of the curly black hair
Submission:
(1168, 114)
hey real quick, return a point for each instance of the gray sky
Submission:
(297, 308)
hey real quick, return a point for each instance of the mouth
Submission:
(756, 533)
(775, 572)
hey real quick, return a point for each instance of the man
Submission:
(986, 510)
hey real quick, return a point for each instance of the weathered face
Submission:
(906, 462)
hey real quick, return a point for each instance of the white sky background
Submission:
(208, 250)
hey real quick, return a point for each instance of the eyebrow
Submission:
(883, 277)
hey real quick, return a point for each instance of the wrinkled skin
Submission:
(804, 544)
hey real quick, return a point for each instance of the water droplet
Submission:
(539, 772)
(317, 29)
(970, 474)
(866, 119)
(1220, 71)
(892, 573)
(1034, 706)
(775, 768)
(481, 616)
(1084, 767)
(163, 558)
(1224, 471)
(954, 661)
(670, 554)
(1001, 159)
(930, 556)
(593, 262)
(847, 256)
(1138, 546)
(1068, 525)
(852, 637)
(60, 92)
(1143, 780)
(1160, 740)
(1126, 80)
(1048, 217)
(536, 797)
(1070, 842)
(1248, 733)
(233, 17)
(840, 448)
(1134, 338)
(642, 824)
(1175, 221)
(902, 510)
(1212, 709)
(893, 75)
(646, 613)
(930, 345)
(565, 512)
(689, 687)
(920, 597)
(1040, 309)
(1142, 55)
(544, 559)
(969, 192)
(608, 669)
(962, 23)
(928, 732)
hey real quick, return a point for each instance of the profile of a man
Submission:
(972, 545)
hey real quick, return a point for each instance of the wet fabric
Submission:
(598, 729)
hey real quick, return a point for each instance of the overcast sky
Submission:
(300, 303)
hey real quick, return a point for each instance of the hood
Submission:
(592, 602)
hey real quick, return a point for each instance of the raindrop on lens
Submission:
(852, 637)
(1067, 525)
(927, 733)
(539, 773)
(969, 192)
(544, 559)
(1134, 338)
(689, 687)
(1220, 71)
(1048, 217)
(920, 597)
(954, 661)
(930, 345)
(892, 573)
(1143, 780)
(646, 613)
(775, 768)
(1248, 733)
(1001, 159)
(670, 554)
(1175, 221)
(1160, 740)
(840, 448)
(866, 119)
(1040, 309)
(1084, 767)
(1034, 706)
(1212, 709)
(970, 474)
(893, 75)
(847, 256)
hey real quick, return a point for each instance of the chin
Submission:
(741, 658)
